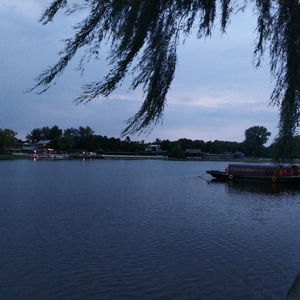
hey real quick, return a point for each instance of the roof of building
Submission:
(43, 142)
(195, 151)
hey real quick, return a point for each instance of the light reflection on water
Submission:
(143, 229)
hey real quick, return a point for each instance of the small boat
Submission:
(258, 172)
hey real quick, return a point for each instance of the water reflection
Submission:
(260, 187)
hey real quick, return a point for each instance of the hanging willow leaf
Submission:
(144, 36)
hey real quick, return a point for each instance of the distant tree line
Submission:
(84, 138)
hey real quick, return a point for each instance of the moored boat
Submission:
(258, 172)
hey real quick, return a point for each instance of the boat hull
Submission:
(218, 175)
(223, 176)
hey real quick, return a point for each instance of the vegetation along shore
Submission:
(84, 139)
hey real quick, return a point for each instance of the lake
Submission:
(143, 229)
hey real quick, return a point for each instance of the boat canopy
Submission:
(262, 170)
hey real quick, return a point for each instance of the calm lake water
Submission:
(130, 229)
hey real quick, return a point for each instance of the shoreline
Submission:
(142, 157)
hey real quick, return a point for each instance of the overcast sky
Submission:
(216, 95)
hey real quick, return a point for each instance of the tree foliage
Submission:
(278, 149)
(7, 138)
(177, 151)
(44, 133)
(279, 24)
(148, 31)
(144, 36)
(255, 138)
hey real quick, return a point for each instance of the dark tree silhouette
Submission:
(255, 138)
(7, 138)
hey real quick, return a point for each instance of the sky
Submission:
(216, 94)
